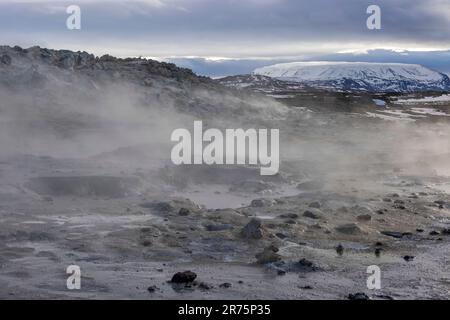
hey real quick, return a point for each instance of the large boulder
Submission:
(252, 230)
(184, 277)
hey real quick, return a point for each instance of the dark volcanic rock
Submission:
(259, 203)
(268, 255)
(5, 59)
(281, 235)
(288, 216)
(205, 286)
(358, 296)
(183, 212)
(152, 289)
(378, 252)
(394, 234)
(310, 214)
(350, 229)
(364, 217)
(340, 249)
(315, 205)
(218, 227)
(184, 277)
(306, 265)
(252, 230)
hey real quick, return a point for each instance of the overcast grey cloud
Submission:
(244, 29)
(436, 60)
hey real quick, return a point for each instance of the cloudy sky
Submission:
(218, 37)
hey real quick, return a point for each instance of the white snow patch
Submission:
(388, 118)
(379, 102)
(429, 111)
(282, 96)
(402, 114)
(443, 98)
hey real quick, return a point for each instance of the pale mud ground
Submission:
(127, 234)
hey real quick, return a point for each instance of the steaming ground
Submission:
(86, 179)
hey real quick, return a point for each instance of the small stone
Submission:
(306, 287)
(394, 195)
(225, 285)
(184, 277)
(310, 214)
(350, 229)
(146, 243)
(268, 255)
(205, 286)
(315, 205)
(364, 217)
(289, 216)
(393, 234)
(259, 203)
(408, 258)
(218, 227)
(378, 252)
(5, 59)
(184, 212)
(306, 265)
(434, 233)
(281, 235)
(152, 289)
(340, 249)
(358, 296)
(252, 230)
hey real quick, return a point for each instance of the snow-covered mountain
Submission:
(359, 76)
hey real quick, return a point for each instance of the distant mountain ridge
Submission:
(259, 83)
(359, 76)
